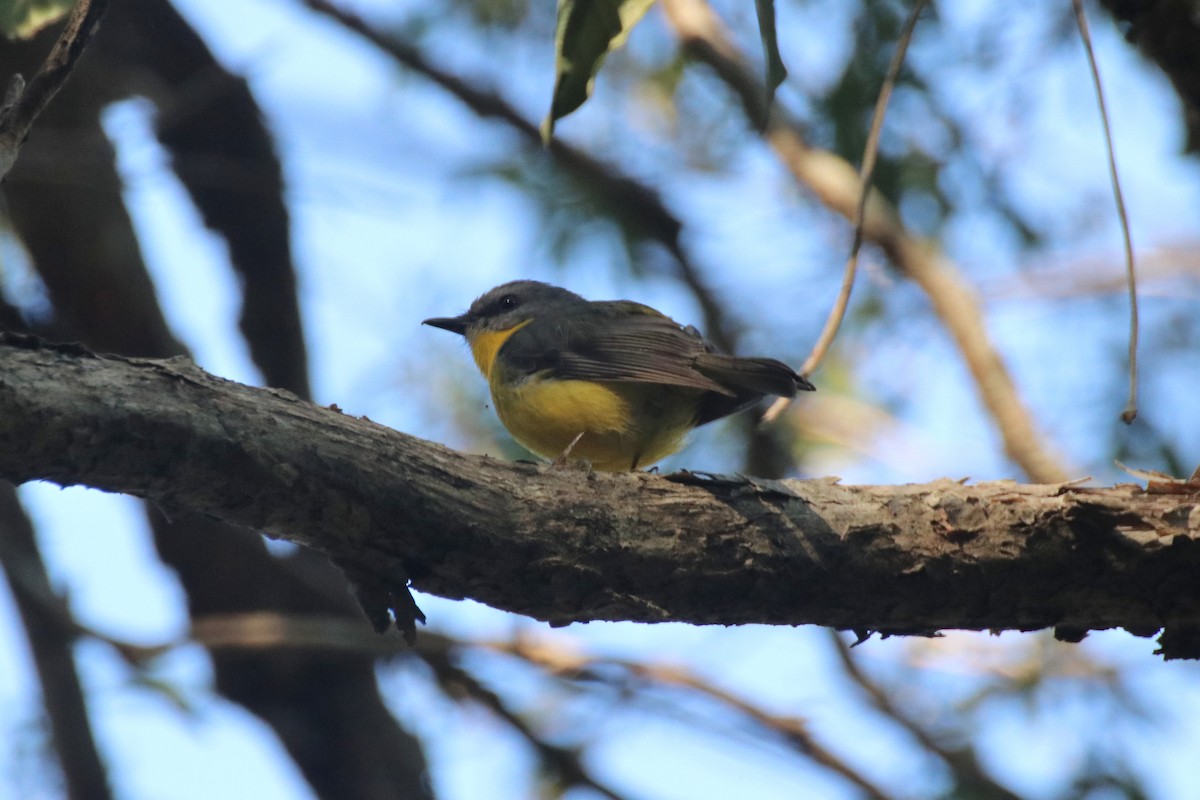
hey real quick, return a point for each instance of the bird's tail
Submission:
(760, 375)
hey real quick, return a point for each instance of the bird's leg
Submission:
(562, 457)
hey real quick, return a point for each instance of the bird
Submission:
(613, 383)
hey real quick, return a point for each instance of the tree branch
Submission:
(972, 779)
(50, 630)
(23, 103)
(835, 183)
(633, 677)
(1169, 35)
(563, 545)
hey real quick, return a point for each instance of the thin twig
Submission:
(24, 104)
(870, 154)
(1129, 414)
(835, 183)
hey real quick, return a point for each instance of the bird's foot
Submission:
(561, 461)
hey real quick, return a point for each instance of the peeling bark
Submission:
(563, 545)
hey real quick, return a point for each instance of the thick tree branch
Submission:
(562, 545)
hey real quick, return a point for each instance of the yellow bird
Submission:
(614, 383)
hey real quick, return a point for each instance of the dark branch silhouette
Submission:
(564, 545)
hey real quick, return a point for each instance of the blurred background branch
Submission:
(23, 102)
(835, 183)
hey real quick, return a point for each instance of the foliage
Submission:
(21, 19)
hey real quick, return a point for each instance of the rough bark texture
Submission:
(563, 545)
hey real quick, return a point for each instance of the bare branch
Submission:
(962, 762)
(793, 730)
(836, 185)
(866, 171)
(1169, 271)
(51, 632)
(272, 630)
(22, 105)
(562, 545)
(870, 152)
(1130, 412)
(566, 764)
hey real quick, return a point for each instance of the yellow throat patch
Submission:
(485, 346)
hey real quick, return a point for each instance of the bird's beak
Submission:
(453, 324)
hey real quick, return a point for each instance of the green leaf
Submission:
(587, 30)
(21, 19)
(776, 71)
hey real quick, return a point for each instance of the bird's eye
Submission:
(508, 302)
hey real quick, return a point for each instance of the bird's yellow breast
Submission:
(623, 424)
